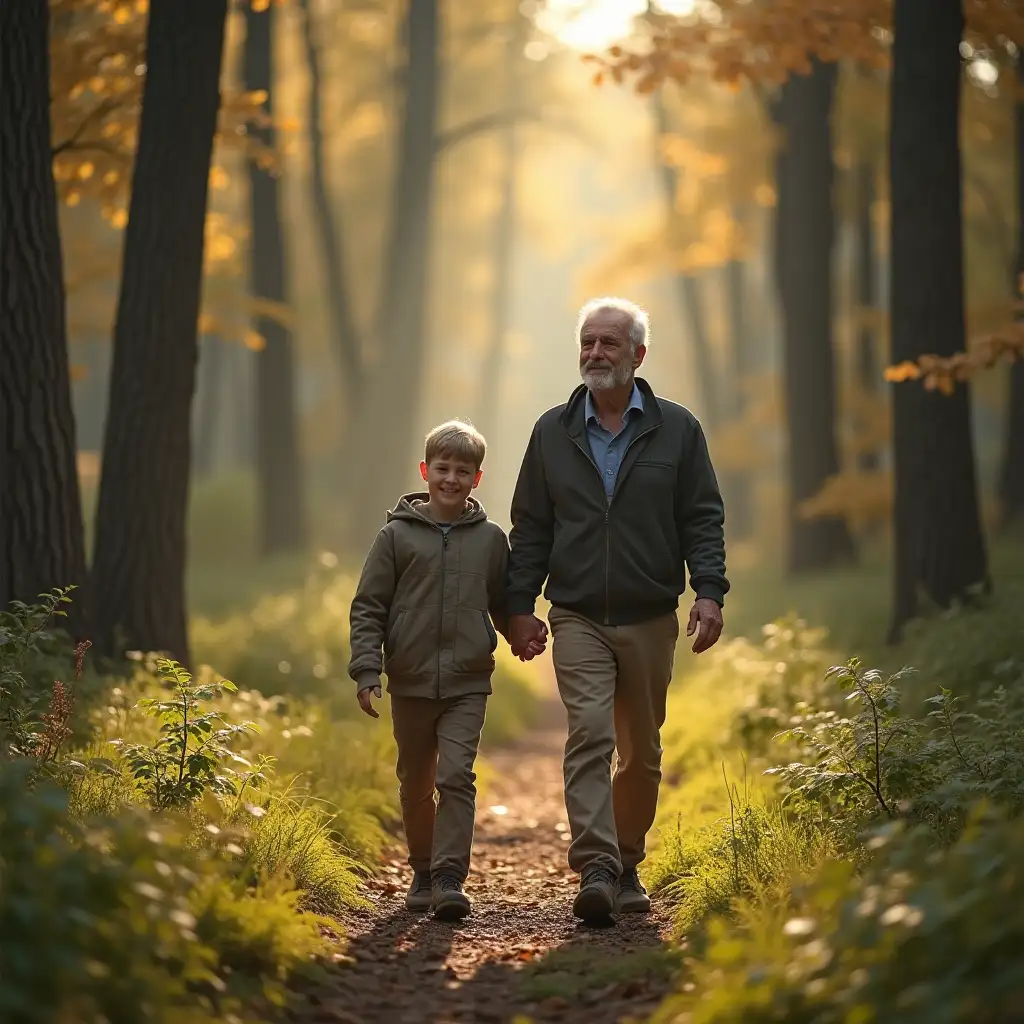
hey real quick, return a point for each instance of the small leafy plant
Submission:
(25, 637)
(193, 754)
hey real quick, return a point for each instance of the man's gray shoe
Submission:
(631, 897)
(449, 902)
(595, 902)
(417, 899)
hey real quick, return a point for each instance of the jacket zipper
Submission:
(607, 515)
(440, 614)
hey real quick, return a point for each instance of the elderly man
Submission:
(616, 498)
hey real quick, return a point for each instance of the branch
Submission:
(503, 119)
(97, 113)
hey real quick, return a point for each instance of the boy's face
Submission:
(449, 482)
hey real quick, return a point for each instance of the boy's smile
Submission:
(449, 483)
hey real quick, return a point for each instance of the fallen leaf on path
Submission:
(554, 1003)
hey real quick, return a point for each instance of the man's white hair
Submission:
(639, 323)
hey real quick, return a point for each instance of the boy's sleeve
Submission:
(496, 585)
(368, 616)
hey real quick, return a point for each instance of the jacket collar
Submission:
(574, 414)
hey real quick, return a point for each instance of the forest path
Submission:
(520, 953)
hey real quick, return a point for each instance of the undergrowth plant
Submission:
(193, 753)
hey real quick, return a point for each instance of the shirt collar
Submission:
(634, 407)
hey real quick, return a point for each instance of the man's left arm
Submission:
(701, 520)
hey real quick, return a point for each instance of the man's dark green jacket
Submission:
(625, 560)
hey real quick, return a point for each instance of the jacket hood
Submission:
(410, 506)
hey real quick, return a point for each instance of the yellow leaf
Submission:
(85, 170)
(254, 341)
(260, 5)
(119, 218)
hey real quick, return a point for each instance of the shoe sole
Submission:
(417, 905)
(593, 906)
(452, 910)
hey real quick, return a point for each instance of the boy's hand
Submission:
(534, 648)
(365, 703)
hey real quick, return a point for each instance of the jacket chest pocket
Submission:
(654, 477)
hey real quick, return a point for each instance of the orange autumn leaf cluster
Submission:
(98, 68)
(942, 373)
(765, 42)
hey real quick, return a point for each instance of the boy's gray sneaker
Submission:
(417, 899)
(595, 902)
(631, 897)
(449, 902)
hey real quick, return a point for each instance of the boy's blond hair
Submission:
(456, 440)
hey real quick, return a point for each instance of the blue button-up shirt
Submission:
(606, 447)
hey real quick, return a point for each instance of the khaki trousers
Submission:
(613, 681)
(437, 745)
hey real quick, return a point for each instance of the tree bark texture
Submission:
(939, 550)
(804, 234)
(41, 536)
(280, 491)
(139, 567)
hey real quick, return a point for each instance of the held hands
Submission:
(527, 636)
(364, 695)
(707, 615)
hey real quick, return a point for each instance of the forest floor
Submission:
(521, 953)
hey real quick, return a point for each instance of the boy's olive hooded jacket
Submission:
(430, 602)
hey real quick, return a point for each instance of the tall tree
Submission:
(1011, 477)
(489, 402)
(139, 566)
(281, 521)
(804, 233)
(867, 356)
(41, 539)
(343, 326)
(689, 292)
(737, 485)
(939, 547)
(402, 332)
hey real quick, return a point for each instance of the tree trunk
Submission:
(208, 402)
(804, 233)
(42, 542)
(281, 504)
(139, 567)
(1011, 477)
(402, 334)
(691, 298)
(737, 485)
(343, 322)
(869, 372)
(939, 547)
(489, 416)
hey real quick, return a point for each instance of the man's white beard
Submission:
(605, 380)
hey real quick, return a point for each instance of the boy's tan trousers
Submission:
(437, 745)
(613, 681)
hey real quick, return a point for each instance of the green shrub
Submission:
(95, 920)
(926, 936)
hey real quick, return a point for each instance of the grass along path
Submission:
(521, 954)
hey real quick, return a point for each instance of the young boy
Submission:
(431, 594)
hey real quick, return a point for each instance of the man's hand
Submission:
(526, 636)
(364, 695)
(707, 614)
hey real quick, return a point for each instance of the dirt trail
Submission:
(520, 952)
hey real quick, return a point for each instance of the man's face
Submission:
(449, 482)
(607, 359)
